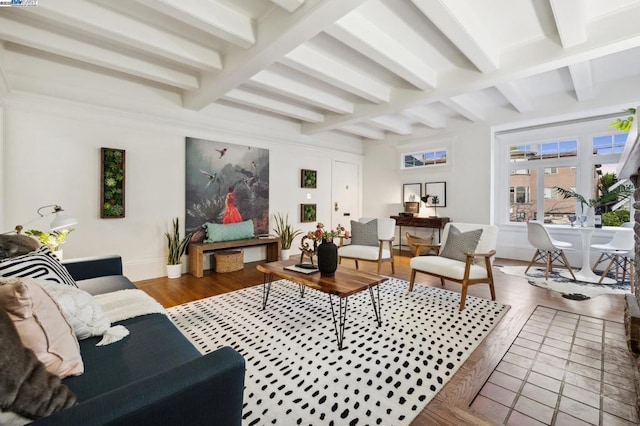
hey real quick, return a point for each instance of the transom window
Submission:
(435, 157)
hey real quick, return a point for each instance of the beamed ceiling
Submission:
(368, 68)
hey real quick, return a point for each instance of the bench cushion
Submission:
(217, 232)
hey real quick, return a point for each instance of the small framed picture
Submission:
(308, 212)
(308, 178)
(437, 192)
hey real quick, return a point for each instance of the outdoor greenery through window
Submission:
(424, 158)
(580, 160)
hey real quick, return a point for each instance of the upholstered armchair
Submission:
(463, 256)
(371, 241)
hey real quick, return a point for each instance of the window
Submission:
(533, 162)
(424, 159)
(520, 194)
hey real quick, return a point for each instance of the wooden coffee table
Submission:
(343, 284)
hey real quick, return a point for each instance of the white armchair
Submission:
(370, 243)
(460, 264)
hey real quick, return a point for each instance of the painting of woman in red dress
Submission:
(231, 213)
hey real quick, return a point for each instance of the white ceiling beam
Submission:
(425, 116)
(582, 80)
(357, 32)
(265, 103)
(279, 84)
(570, 17)
(612, 34)
(466, 107)
(464, 30)
(92, 18)
(392, 124)
(277, 35)
(288, 5)
(211, 17)
(515, 96)
(363, 131)
(317, 64)
(74, 48)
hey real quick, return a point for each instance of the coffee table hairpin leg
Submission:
(266, 288)
(339, 322)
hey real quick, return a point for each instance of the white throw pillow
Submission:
(84, 313)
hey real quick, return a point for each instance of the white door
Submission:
(344, 194)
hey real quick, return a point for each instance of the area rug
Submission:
(575, 290)
(384, 375)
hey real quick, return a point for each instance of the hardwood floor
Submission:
(451, 405)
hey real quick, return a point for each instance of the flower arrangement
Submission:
(321, 234)
(51, 239)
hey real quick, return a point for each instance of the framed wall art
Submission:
(112, 183)
(225, 183)
(308, 212)
(308, 178)
(411, 192)
(436, 191)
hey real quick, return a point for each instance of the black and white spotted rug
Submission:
(384, 375)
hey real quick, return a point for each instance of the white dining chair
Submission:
(547, 248)
(620, 252)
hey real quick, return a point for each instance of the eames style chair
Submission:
(548, 249)
(371, 241)
(620, 252)
(464, 256)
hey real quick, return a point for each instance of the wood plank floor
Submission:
(451, 405)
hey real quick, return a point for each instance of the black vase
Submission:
(327, 258)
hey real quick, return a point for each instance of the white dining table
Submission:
(585, 273)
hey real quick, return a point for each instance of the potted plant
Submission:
(177, 248)
(603, 201)
(286, 233)
(52, 239)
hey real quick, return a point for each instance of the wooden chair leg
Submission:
(463, 296)
(548, 266)
(533, 259)
(492, 290)
(379, 263)
(566, 263)
(413, 279)
(595, 265)
(442, 281)
(606, 270)
(356, 264)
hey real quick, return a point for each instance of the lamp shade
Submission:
(62, 221)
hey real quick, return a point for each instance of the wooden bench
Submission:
(197, 251)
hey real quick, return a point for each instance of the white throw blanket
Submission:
(124, 304)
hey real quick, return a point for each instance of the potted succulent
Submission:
(177, 248)
(286, 233)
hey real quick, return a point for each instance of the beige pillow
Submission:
(42, 326)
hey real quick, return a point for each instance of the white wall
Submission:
(52, 152)
(468, 176)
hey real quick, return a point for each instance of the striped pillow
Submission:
(41, 264)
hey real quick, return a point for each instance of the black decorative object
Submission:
(327, 258)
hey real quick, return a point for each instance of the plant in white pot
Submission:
(286, 233)
(177, 248)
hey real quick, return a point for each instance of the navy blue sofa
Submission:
(154, 376)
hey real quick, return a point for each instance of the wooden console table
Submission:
(197, 251)
(420, 222)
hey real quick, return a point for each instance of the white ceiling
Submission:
(370, 68)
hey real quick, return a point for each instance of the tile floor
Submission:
(563, 369)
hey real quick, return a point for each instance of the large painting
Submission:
(226, 183)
